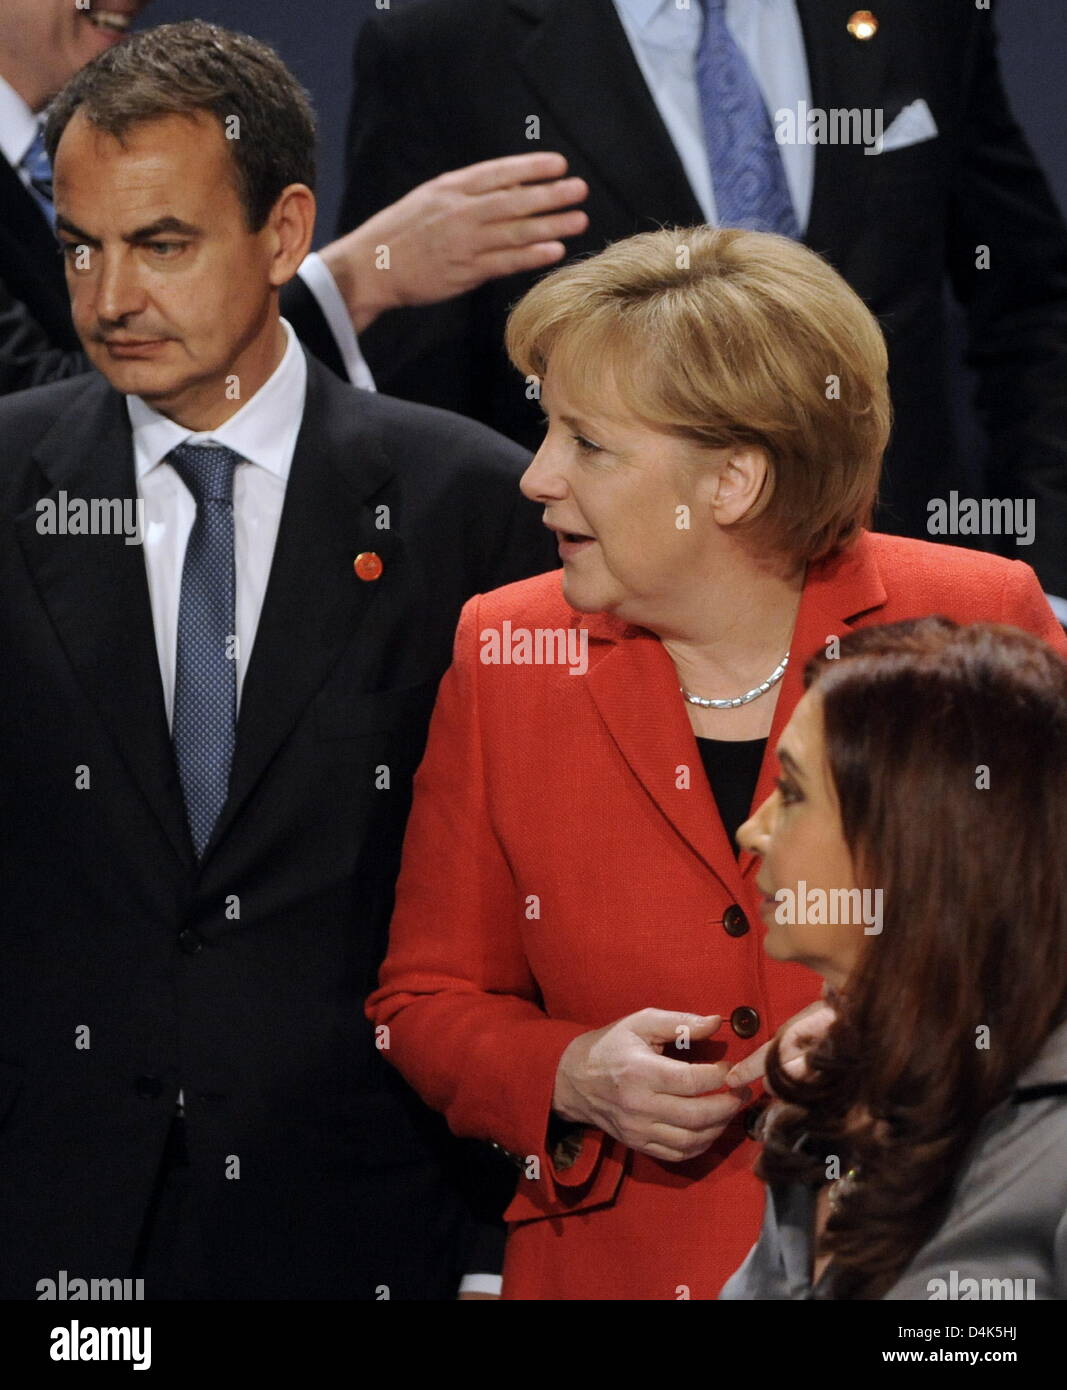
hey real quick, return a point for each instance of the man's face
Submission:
(58, 37)
(170, 291)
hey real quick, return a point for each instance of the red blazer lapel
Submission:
(635, 688)
(836, 592)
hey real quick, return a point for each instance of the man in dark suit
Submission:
(627, 91)
(444, 237)
(229, 586)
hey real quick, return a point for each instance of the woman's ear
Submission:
(737, 484)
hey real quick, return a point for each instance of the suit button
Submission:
(150, 1087)
(734, 921)
(744, 1021)
(190, 941)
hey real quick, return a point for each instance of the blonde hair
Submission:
(728, 338)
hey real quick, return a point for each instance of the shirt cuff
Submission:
(323, 286)
(1059, 607)
(481, 1283)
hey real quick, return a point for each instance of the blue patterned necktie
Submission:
(747, 174)
(38, 168)
(204, 727)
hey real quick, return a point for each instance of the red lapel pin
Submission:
(368, 565)
(862, 24)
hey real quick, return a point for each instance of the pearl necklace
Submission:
(749, 695)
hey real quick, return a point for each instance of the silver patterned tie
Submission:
(204, 726)
(747, 173)
(38, 169)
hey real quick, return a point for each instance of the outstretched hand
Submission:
(452, 233)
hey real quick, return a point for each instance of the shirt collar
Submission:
(640, 12)
(18, 125)
(262, 432)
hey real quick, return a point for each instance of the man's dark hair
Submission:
(180, 69)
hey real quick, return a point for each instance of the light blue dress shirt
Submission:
(665, 36)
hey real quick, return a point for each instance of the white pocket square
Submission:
(913, 125)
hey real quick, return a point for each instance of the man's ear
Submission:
(737, 484)
(291, 224)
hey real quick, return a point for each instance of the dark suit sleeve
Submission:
(486, 1180)
(1016, 309)
(515, 545)
(27, 355)
(388, 152)
(427, 353)
(524, 546)
(485, 1250)
(302, 310)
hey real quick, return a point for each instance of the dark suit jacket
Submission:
(242, 979)
(31, 270)
(449, 82)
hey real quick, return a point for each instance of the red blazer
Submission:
(559, 873)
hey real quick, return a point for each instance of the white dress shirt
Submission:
(665, 40)
(263, 433)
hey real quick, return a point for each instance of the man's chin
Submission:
(136, 376)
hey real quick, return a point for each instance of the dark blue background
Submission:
(315, 37)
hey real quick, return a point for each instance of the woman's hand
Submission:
(617, 1079)
(798, 1036)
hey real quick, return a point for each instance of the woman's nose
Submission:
(752, 836)
(543, 481)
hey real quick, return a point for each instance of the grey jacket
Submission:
(1004, 1235)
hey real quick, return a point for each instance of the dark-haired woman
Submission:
(923, 1155)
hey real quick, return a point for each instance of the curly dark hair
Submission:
(968, 976)
(180, 69)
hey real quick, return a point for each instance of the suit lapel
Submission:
(635, 675)
(314, 602)
(26, 223)
(846, 73)
(607, 111)
(95, 591)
